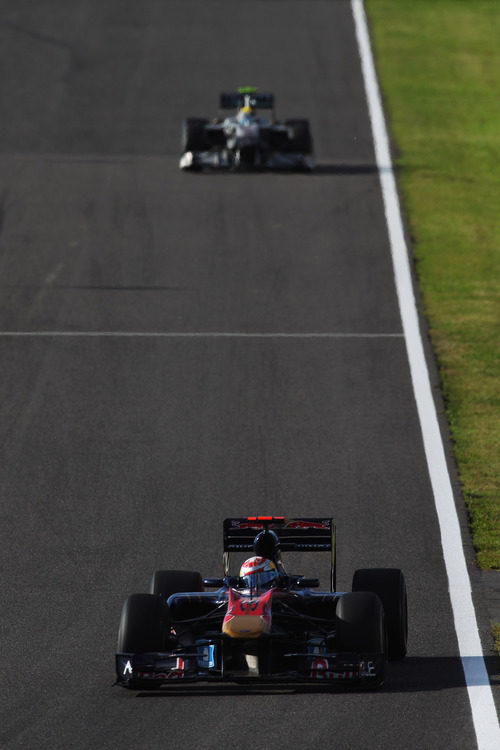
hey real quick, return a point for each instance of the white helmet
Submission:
(258, 573)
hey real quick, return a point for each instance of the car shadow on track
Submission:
(421, 674)
(343, 169)
(413, 674)
(319, 170)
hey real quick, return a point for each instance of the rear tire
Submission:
(167, 582)
(142, 624)
(389, 585)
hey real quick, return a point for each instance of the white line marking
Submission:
(202, 335)
(483, 708)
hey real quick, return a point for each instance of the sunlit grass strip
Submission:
(495, 630)
(439, 63)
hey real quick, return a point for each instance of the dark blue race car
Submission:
(264, 625)
(246, 139)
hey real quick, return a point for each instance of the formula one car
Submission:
(246, 140)
(263, 625)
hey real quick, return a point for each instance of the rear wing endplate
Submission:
(295, 535)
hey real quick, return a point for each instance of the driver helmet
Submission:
(247, 110)
(258, 573)
(246, 116)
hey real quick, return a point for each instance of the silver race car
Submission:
(246, 140)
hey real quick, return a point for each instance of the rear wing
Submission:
(295, 535)
(237, 100)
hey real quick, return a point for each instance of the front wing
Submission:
(224, 159)
(157, 670)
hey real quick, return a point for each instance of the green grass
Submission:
(439, 67)
(496, 637)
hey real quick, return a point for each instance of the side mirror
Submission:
(307, 583)
(213, 582)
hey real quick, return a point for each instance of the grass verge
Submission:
(496, 636)
(438, 63)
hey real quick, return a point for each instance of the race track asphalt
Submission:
(147, 389)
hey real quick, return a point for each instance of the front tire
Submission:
(143, 624)
(390, 586)
(299, 137)
(193, 135)
(360, 628)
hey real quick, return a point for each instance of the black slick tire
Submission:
(193, 135)
(142, 624)
(360, 629)
(390, 586)
(299, 137)
(167, 582)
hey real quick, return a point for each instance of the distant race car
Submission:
(263, 625)
(246, 140)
